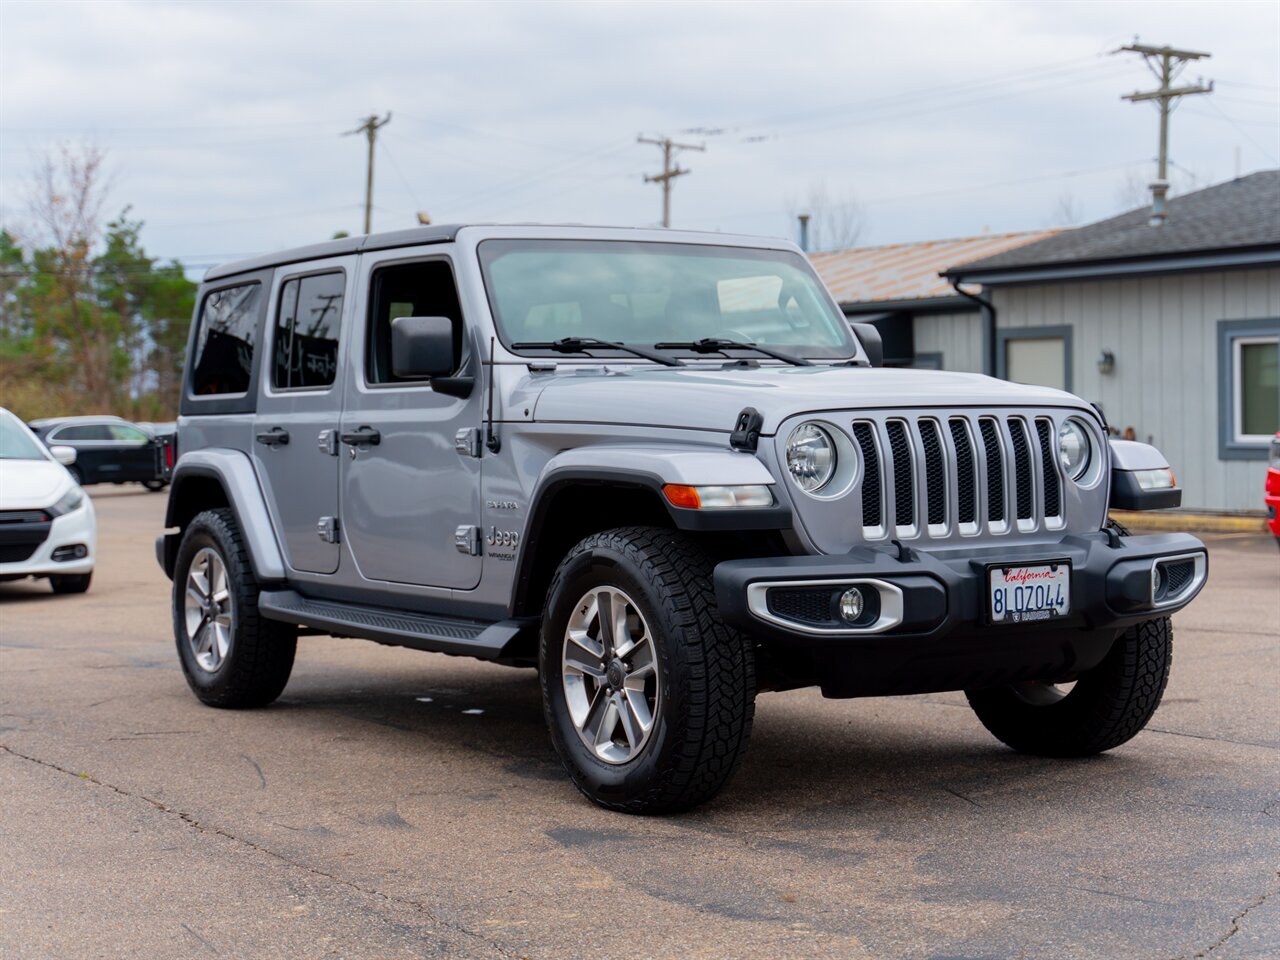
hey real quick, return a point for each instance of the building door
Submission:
(1041, 360)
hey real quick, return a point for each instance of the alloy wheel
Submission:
(610, 675)
(209, 612)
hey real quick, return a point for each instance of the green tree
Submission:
(88, 322)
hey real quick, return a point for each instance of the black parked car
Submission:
(108, 449)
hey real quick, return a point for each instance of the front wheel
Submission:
(649, 696)
(71, 582)
(155, 486)
(231, 655)
(1105, 706)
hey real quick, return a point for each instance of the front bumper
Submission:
(77, 528)
(930, 629)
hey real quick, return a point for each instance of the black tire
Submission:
(1107, 706)
(155, 486)
(260, 654)
(71, 582)
(702, 722)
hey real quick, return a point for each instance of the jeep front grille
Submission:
(932, 475)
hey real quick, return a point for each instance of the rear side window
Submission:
(81, 431)
(306, 334)
(224, 342)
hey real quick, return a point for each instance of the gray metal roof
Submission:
(1233, 216)
(337, 248)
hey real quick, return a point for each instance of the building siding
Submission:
(957, 336)
(1163, 332)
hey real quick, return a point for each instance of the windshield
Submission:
(647, 293)
(15, 442)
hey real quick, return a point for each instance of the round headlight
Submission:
(1074, 448)
(811, 456)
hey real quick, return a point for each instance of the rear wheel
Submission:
(1103, 708)
(154, 486)
(649, 696)
(230, 654)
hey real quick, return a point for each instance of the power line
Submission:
(1244, 133)
(669, 172)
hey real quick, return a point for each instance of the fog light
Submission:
(851, 605)
(1157, 582)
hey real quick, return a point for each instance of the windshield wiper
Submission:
(583, 344)
(720, 345)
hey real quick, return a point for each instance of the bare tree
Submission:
(1132, 192)
(833, 224)
(1067, 211)
(65, 200)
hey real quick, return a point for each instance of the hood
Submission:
(708, 398)
(31, 484)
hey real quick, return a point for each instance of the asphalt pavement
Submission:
(397, 804)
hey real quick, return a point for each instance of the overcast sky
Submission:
(223, 121)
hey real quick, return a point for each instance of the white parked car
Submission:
(47, 524)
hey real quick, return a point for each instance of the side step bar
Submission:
(506, 639)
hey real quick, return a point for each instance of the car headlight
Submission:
(1075, 449)
(811, 457)
(71, 500)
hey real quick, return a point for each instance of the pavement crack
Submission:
(262, 780)
(1204, 736)
(1235, 923)
(957, 793)
(207, 945)
(210, 830)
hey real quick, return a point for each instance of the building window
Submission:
(1248, 387)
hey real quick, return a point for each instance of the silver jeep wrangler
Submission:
(663, 469)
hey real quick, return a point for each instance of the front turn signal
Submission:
(717, 497)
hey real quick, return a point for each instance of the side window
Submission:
(225, 341)
(127, 434)
(81, 431)
(306, 335)
(408, 290)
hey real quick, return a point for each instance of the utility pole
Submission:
(1166, 63)
(369, 126)
(669, 173)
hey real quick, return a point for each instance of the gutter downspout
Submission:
(988, 310)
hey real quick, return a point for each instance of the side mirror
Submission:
(64, 455)
(422, 347)
(869, 337)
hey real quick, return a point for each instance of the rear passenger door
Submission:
(134, 452)
(295, 445)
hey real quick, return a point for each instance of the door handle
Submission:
(275, 437)
(362, 436)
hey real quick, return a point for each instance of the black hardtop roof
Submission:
(1238, 214)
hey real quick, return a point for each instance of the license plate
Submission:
(1025, 594)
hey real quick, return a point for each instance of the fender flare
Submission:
(650, 468)
(233, 470)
